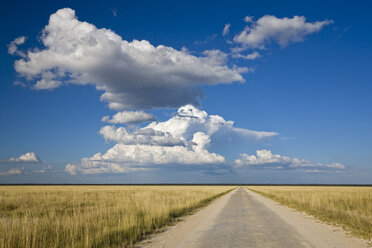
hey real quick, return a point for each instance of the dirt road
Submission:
(245, 219)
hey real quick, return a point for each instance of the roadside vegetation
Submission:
(93, 216)
(349, 207)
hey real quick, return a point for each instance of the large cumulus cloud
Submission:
(183, 139)
(132, 74)
(180, 129)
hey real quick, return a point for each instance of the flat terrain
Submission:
(93, 216)
(245, 219)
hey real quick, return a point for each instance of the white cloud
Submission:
(189, 119)
(226, 29)
(44, 84)
(42, 169)
(121, 158)
(155, 154)
(13, 46)
(179, 129)
(71, 168)
(248, 19)
(251, 133)
(317, 171)
(90, 166)
(281, 30)
(19, 83)
(251, 56)
(129, 117)
(144, 136)
(29, 157)
(265, 159)
(131, 74)
(11, 172)
(34, 165)
(183, 139)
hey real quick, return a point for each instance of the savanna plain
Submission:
(119, 216)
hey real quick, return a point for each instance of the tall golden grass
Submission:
(349, 207)
(93, 216)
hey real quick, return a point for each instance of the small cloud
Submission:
(129, 117)
(42, 169)
(248, 19)
(44, 84)
(13, 46)
(19, 83)
(114, 11)
(251, 56)
(226, 29)
(266, 159)
(29, 157)
(71, 168)
(317, 171)
(11, 172)
(280, 30)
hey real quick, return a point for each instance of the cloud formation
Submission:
(251, 56)
(71, 169)
(143, 136)
(29, 157)
(265, 159)
(226, 29)
(179, 130)
(132, 74)
(11, 172)
(125, 158)
(183, 139)
(30, 169)
(280, 30)
(190, 119)
(13, 46)
(129, 117)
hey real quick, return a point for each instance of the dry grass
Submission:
(349, 207)
(93, 216)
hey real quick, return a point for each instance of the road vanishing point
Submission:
(242, 218)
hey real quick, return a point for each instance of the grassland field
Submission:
(93, 216)
(349, 207)
(118, 216)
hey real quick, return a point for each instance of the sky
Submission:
(186, 92)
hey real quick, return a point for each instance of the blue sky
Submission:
(301, 109)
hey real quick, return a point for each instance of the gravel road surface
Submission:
(242, 218)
